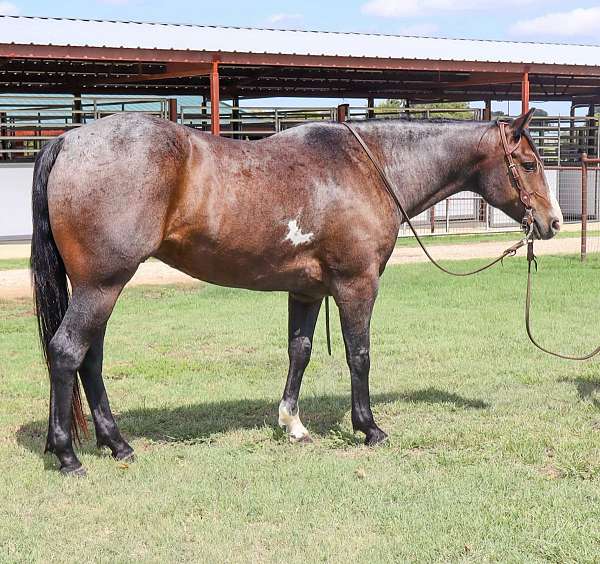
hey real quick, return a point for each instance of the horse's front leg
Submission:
(302, 318)
(355, 298)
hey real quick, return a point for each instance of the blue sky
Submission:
(530, 20)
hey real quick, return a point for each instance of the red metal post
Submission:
(584, 206)
(215, 103)
(342, 112)
(487, 112)
(173, 109)
(525, 93)
(371, 107)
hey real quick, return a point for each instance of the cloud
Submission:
(8, 9)
(581, 22)
(279, 18)
(423, 29)
(417, 8)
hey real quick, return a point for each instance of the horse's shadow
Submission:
(587, 390)
(200, 422)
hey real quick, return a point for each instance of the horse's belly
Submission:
(241, 268)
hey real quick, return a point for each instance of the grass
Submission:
(494, 451)
(14, 264)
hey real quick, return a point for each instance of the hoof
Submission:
(304, 439)
(78, 472)
(375, 437)
(125, 456)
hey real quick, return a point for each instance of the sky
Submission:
(575, 21)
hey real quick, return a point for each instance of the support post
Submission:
(525, 93)
(342, 112)
(370, 107)
(235, 117)
(215, 103)
(77, 115)
(487, 112)
(584, 206)
(173, 110)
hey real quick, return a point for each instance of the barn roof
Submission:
(59, 55)
(140, 35)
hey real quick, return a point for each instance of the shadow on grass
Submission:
(433, 395)
(200, 422)
(587, 390)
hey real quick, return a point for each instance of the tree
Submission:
(463, 109)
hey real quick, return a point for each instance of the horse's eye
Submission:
(530, 166)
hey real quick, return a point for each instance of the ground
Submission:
(494, 450)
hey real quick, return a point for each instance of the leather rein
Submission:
(527, 225)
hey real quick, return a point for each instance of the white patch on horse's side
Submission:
(295, 234)
(292, 423)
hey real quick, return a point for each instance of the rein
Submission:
(527, 224)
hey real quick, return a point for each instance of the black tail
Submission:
(49, 277)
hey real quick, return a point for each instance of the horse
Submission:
(303, 212)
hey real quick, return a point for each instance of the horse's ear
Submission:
(521, 123)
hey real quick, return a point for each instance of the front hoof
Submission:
(375, 437)
(77, 472)
(125, 455)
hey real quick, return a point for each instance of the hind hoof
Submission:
(375, 437)
(78, 472)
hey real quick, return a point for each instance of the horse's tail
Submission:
(48, 273)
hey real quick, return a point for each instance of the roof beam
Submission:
(269, 59)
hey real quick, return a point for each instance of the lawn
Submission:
(494, 450)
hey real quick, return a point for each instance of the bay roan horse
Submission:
(303, 212)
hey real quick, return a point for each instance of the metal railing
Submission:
(26, 122)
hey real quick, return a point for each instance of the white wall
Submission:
(15, 200)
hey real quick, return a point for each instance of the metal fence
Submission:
(27, 122)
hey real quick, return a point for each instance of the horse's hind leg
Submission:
(301, 327)
(86, 315)
(355, 299)
(107, 432)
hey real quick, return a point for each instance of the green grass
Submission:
(494, 451)
(14, 264)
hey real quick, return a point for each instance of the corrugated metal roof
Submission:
(137, 35)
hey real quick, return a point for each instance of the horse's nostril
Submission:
(556, 225)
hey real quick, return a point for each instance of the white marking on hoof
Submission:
(295, 234)
(293, 425)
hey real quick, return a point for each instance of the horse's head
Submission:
(512, 177)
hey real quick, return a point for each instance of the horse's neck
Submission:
(428, 163)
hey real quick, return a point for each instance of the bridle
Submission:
(517, 182)
(527, 224)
